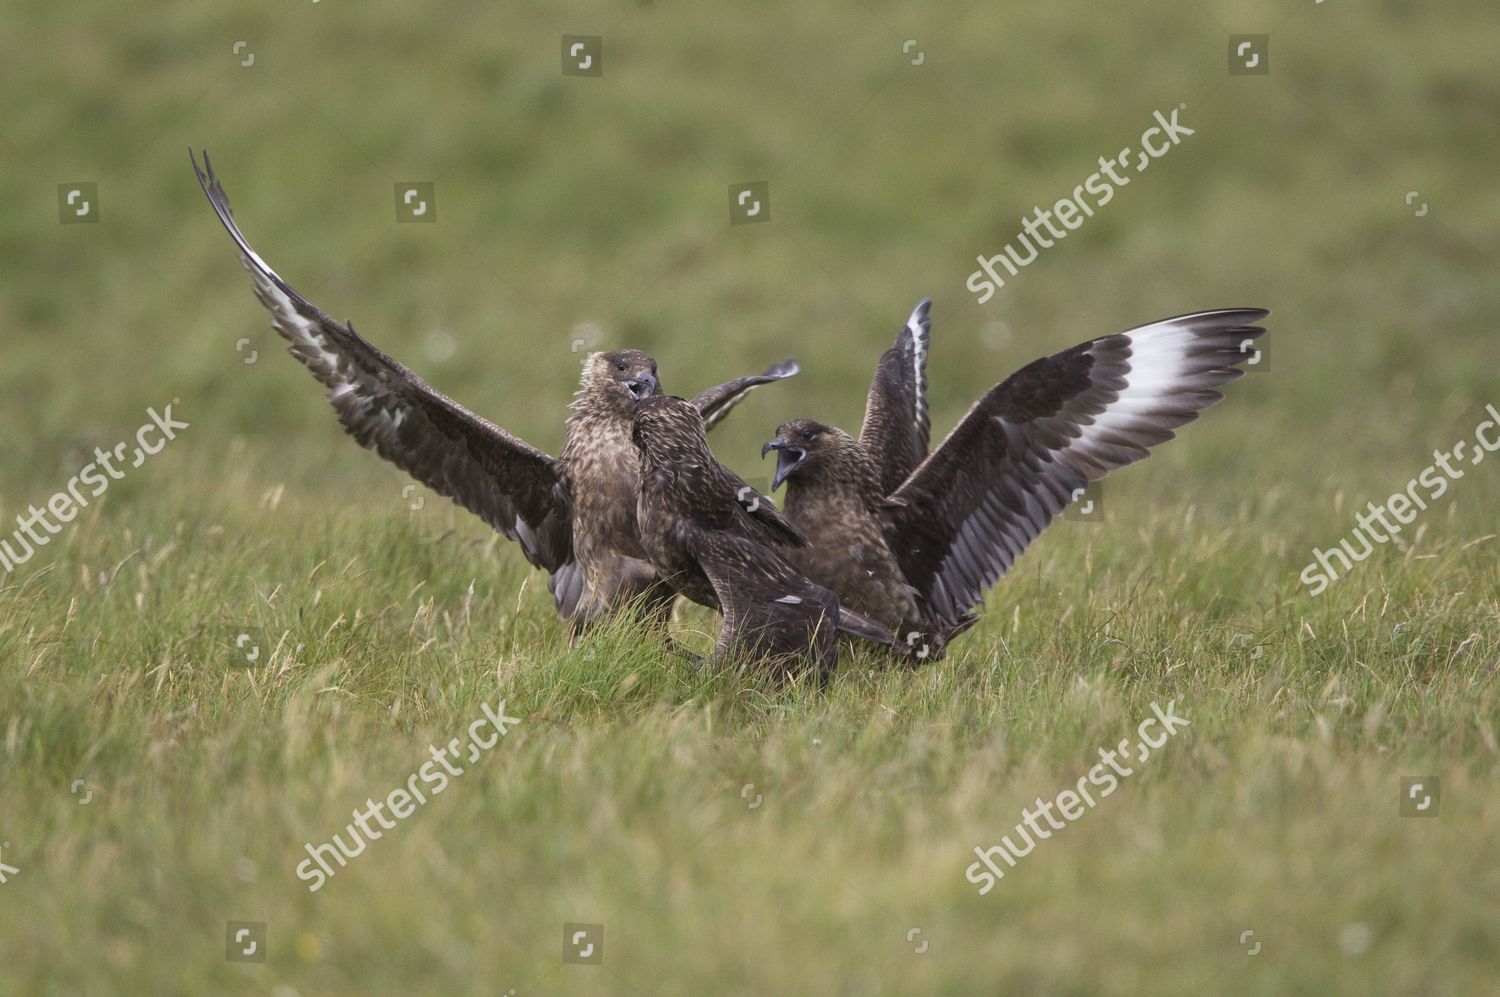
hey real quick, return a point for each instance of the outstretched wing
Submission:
(896, 428)
(1032, 443)
(514, 487)
(714, 403)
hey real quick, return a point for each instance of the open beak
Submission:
(643, 386)
(787, 459)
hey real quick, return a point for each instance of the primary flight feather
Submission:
(914, 540)
(573, 516)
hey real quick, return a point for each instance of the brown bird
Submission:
(718, 542)
(574, 516)
(915, 540)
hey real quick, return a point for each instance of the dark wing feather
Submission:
(897, 429)
(769, 609)
(714, 403)
(512, 486)
(756, 514)
(568, 587)
(1032, 443)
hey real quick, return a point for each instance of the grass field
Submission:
(733, 837)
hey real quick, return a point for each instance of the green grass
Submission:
(618, 798)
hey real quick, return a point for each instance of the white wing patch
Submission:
(301, 330)
(919, 323)
(1143, 386)
(1161, 367)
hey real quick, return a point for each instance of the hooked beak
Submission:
(787, 459)
(643, 386)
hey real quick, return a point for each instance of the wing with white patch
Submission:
(511, 485)
(897, 429)
(714, 403)
(1032, 443)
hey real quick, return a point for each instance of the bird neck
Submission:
(849, 476)
(595, 422)
(601, 402)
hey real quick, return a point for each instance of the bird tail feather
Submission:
(854, 624)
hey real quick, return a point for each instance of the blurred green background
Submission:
(571, 200)
(598, 208)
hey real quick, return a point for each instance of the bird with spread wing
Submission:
(574, 515)
(915, 539)
(722, 544)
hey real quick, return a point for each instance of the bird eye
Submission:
(620, 367)
(807, 435)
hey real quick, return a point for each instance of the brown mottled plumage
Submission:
(835, 496)
(574, 516)
(718, 542)
(920, 555)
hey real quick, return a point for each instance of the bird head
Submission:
(621, 376)
(802, 446)
(668, 430)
